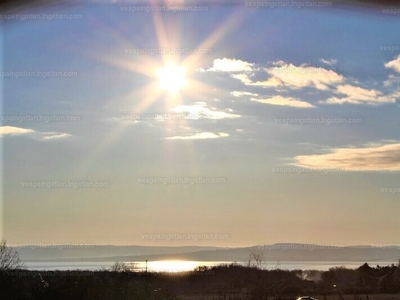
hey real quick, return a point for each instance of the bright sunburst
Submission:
(172, 78)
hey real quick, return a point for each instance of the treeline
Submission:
(365, 279)
(224, 281)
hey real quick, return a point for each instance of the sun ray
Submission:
(162, 37)
(172, 83)
(145, 67)
(231, 22)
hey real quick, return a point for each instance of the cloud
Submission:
(240, 94)
(200, 111)
(391, 80)
(243, 78)
(295, 77)
(287, 75)
(55, 135)
(231, 65)
(303, 76)
(284, 101)
(271, 82)
(10, 130)
(382, 157)
(394, 64)
(358, 95)
(329, 62)
(199, 135)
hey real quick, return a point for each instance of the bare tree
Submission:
(123, 267)
(9, 257)
(258, 257)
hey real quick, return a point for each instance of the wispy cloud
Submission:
(231, 65)
(342, 90)
(302, 76)
(295, 77)
(329, 62)
(11, 130)
(381, 157)
(243, 78)
(394, 64)
(199, 110)
(358, 95)
(241, 94)
(284, 101)
(55, 135)
(393, 79)
(200, 135)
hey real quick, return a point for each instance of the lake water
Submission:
(182, 266)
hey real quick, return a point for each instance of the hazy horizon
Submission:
(193, 245)
(223, 125)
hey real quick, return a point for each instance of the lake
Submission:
(182, 266)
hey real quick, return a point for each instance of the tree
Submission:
(397, 277)
(122, 267)
(258, 257)
(9, 258)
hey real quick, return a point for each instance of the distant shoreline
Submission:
(140, 265)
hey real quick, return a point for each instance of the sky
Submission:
(183, 123)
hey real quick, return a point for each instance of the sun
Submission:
(172, 266)
(172, 79)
